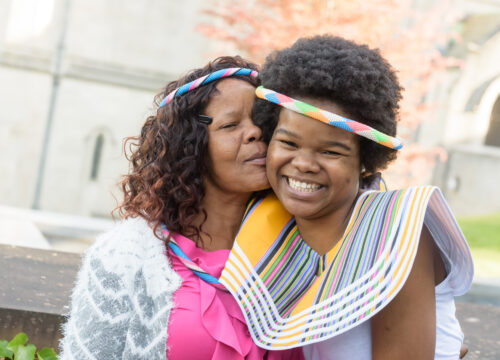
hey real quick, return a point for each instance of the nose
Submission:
(305, 162)
(252, 132)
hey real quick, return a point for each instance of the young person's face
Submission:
(313, 168)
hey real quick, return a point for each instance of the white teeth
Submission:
(302, 186)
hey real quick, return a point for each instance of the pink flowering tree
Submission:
(407, 37)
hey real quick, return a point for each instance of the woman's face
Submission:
(313, 168)
(236, 152)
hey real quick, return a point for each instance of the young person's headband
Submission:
(329, 118)
(207, 79)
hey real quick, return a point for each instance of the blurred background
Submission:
(78, 76)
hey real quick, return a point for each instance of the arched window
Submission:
(96, 157)
(493, 135)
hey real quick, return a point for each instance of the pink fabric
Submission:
(206, 323)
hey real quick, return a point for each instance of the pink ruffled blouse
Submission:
(206, 322)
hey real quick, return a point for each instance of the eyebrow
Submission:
(232, 113)
(228, 114)
(336, 143)
(324, 143)
(287, 132)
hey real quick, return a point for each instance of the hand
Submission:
(464, 349)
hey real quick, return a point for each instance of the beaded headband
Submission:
(329, 118)
(205, 80)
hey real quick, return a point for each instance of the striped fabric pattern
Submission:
(286, 283)
(362, 244)
(292, 296)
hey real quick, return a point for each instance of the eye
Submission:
(330, 152)
(228, 125)
(288, 143)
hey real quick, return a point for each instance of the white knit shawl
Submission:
(122, 299)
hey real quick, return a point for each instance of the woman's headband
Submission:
(329, 118)
(205, 80)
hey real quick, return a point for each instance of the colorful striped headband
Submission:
(329, 118)
(219, 74)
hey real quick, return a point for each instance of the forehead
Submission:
(231, 95)
(228, 87)
(304, 126)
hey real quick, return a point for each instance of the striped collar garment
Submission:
(291, 296)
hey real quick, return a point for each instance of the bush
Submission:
(16, 349)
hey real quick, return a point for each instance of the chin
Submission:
(260, 183)
(262, 188)
(307, 215)
(298, 210)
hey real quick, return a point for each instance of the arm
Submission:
(406, 328)
(97, 324)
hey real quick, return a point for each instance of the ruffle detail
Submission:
(223, 320)
(220, 314)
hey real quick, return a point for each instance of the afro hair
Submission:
(355, 77)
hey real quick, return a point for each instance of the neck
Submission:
(224, 214)
(323, 233)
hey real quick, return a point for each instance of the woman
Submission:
(193, 169)
(353, 274)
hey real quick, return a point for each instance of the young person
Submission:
(324, 265)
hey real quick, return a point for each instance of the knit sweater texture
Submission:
(121, 303)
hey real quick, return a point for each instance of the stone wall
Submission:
(35, 293)
(114, 57)
(469, 179)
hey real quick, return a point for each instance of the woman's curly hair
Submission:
(353, 76)
(168, 159)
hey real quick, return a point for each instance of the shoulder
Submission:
(131, 249)
(129, 241)
(124, 288)
(413, 191)
(130, 236)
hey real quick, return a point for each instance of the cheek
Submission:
(344, 173)
(272, 161)
(270, 170)
(352, 177)
(221, 148)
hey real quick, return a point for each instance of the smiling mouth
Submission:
(302, 186)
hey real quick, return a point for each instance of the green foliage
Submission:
(16, 349)
(47, 354)
(482, 232)
(483, 235)
(25, 352)
(4, 352)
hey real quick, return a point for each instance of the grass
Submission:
(482, 232)
(483, 235)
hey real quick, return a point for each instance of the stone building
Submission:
(85, 73)
(468, 124)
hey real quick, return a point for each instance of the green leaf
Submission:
(25, 352)
(19, 340)
(47, 354)
(4, 352)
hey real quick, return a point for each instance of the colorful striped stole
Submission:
(190, 264)
(291, 296)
